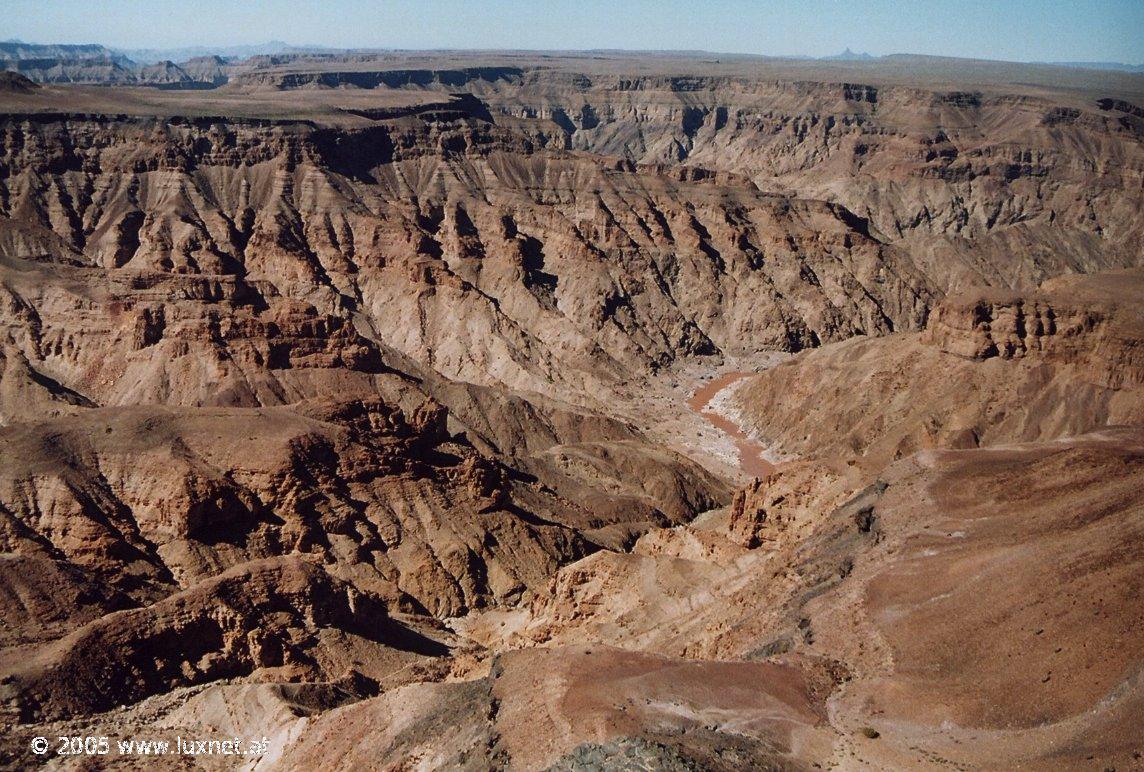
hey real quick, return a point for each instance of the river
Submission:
(751, 458)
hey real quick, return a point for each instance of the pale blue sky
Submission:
(1040, 30)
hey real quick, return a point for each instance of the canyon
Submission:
(605, 411)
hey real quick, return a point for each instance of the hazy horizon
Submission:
(239, 50)
(1019, 31)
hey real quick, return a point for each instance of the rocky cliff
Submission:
(990, 368)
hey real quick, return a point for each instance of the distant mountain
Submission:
(153, 55)
(15, 83)
(1116, 66)
(848, 56)
(99, 64)
(66, 63)
(206, 66)
(16, 50)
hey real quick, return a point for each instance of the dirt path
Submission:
(751, 459)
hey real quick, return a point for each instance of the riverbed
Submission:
(752, 460)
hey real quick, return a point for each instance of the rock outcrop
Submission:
(561, 265)
(1094, 324)
(990, 368)
(275, 615)
(559, 708)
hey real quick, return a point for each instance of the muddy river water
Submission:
(751, 458)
